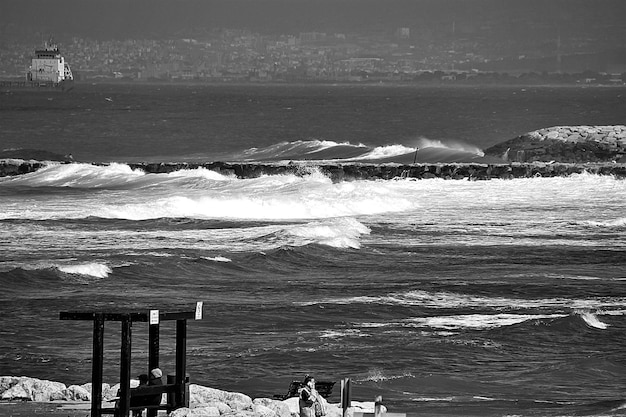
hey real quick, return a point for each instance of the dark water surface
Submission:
(170, 122)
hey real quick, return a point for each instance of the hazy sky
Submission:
(162, 18)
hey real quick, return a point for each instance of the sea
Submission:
(446, 297)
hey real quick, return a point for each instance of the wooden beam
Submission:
(134, 316)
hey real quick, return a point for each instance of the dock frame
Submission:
(153, 317)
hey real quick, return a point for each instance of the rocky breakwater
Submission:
(566, 144)
(203, 401)
(362, 171)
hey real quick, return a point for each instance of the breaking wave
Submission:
(90, 269)
(425, 150)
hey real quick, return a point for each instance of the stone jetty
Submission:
(361, 171)
(570, 144)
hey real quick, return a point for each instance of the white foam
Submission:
(610, 224)
(449, 144)
(477, 321)
(335, 334)
(450, 300)
(592, 320)
(79, 175)
(92, 269)
(218, 259)
(339, 233)
(199, 173)
(291, 197)
(382, 152)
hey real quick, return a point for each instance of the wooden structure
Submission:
(176, 390)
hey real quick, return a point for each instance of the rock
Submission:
(32, 389)
(196, 412)
(277, 408)
(107, 392)
(566, 144)
(204, 395)
(72, 393)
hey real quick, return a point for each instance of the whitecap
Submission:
(382, 152)
(477, 321)
(92, 269)
(618, 223)
(338, 233)
(217, 259)
(335, 334)
(592, 320)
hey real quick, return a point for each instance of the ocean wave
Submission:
(384, 152)
(286, 197)
(592, 320)
(338, 233)
(424, 150)
(450, 300)
(336, 334)
(93, 269)
(477, 321)
(618, 223)
(78, 175)
(449, 144)
(218, 259)
(303, 150)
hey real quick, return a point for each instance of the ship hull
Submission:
(10, 85)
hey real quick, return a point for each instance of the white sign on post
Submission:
(154, 316)
(199, 310)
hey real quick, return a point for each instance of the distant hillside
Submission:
(568, 144)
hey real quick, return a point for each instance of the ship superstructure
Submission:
(49, 66)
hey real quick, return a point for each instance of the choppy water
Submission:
(448, 297)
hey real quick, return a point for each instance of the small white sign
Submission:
(154, 316)
(199, 310)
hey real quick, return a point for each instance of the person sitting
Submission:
(155, 379)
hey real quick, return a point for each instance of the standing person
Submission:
(308, 397)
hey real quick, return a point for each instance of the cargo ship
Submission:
(48, 69)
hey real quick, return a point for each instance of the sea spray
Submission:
(96, 270)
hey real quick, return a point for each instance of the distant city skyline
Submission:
(268, 39)
(601, 20)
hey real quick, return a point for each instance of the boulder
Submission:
(72, 393)
(204, 395)
(32, 389)
(278, 408)
(107, 391)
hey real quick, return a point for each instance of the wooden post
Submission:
(125, 367)
(153, 347)
(153, 353)
(346, 402)
(96, 364)
(181, 362)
